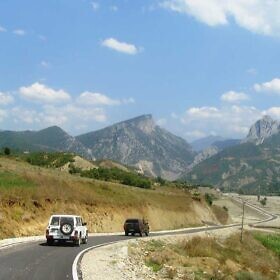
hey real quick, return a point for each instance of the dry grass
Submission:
(221, 214)
(38, 192)
(211, 258)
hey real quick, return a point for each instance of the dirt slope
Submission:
(29, 195)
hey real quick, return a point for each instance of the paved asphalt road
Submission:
(36, 261)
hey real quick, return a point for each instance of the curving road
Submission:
(36, 261)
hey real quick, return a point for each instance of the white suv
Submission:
(66, 228)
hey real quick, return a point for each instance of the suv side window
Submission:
(54, 221)
(78, 221)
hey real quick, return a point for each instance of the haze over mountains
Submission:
(205, 142)
(231, 164)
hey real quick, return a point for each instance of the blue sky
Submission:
(200, 67)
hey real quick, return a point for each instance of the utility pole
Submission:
(242, 224)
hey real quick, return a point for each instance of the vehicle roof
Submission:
(64, 215)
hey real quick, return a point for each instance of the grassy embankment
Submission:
(30, 194)
(258, 257)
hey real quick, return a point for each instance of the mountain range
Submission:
(252, 166)
(49, 139)
(246, 165)
(137, 142)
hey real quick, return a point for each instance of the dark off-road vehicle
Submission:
(133, 226)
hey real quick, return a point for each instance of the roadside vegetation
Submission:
(29, 194)
(214, 258)
(118, 175)
(270, 241)
(114, 174)
(44, 159)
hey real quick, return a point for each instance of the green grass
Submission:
(270, 241)
(155, 266)
(10, 180)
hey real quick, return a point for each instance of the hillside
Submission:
(140, 142)
(137, 142)
(245, 168)
(49, 139)
(30, 194)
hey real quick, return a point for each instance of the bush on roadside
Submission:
(208, 199)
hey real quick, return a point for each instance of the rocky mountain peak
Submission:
(145, 123)
(141, 143)
(263, 129)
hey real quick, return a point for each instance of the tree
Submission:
(209, 199)
(7, 151)
(263, 201)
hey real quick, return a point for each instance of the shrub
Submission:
(7, 151)
(121, 176)
(208, 199)
(45, 159)
(263, 201)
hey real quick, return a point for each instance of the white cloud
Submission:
(20, 114)
(202, 113)
(120, 46)
(45, 64)
(68, 115)
(72, 115)
(234, 97)
(90, 98)
(257, 16)
(129, 100)
(274, 112)
(95, 6)
(19, 32)
(3, 115)
(161, 122)
(6, 99)
(93, 98)
(3, 29)
(41, 93)
(271, 87)
(228, 121)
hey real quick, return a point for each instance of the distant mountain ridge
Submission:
(137, 142)
(49, 139)
(140, 142)
(205, 142)
(248, 167)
